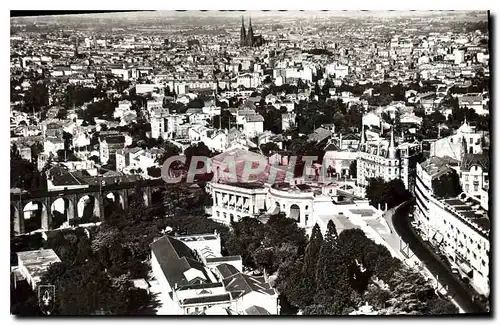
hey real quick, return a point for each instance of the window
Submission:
(476, 187)
(307, 207)
(187, 310)
(470, 140)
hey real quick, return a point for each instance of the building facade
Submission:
(458, 227)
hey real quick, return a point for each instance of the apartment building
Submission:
(459, 227)
(382, 158)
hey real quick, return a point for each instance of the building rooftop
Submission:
(363, 212)
(437, 166)
(249, 186)
(37, 262)
(470, 210)
(224, 258)
(227, 270)
(197, 237)
(207, 299)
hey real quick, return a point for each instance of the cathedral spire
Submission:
(243, 34)
(250, 37)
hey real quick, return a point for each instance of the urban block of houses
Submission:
(197, 279)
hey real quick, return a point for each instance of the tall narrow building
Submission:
(250, 36)
(243, 34)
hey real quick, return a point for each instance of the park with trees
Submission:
(332, 274)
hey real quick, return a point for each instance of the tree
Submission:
(196, 103)
(268, 148)
(440, 307)
(376, 296)
(154, 171)
(170, 151)
(331, 235)
(447, 185)
(197, 150)
(96, 292)
(311, 258)
(24, 174)
(247, 235)
(353, 170)
(391, 193)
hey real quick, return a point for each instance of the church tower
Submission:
(392, 146)
(243, 35)
(362, 141)
(250, 38)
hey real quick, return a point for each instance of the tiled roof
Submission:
(245, 283)
(175, 258)
(470, 160)
(227, 270)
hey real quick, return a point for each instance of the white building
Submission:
(459, 56)
(376, 159)
(53, 145)
(459, 227)
(253, 125)
(474, 175)
(122, 109)
(234, 201)
(248, 80)
(339, 71)
(465, 140)
(198, 280)
(165, 125)
(33, 264)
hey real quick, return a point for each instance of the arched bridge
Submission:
(77, 202)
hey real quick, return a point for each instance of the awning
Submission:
(246, 203)
(240, 201)
(225, 198)
(233, 200)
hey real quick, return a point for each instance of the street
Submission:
(460, 291)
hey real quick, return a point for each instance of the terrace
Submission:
(470, 211)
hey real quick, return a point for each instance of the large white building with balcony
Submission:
(231, 202)
(458, 227)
